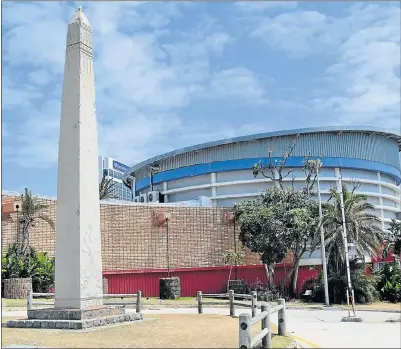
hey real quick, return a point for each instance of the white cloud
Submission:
(236, 83)
(257, 6)
(144, 75)
(366, 75)
(40, 77)
(363, 85)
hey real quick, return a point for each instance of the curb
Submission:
(343, 309)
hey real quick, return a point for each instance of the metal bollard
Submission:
(254, 303)
(199, 297)
(282, 326)
(231, 298)
(245, 331)
(139, 302)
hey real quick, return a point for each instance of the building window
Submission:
(105, 172)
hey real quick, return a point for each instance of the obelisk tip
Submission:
(79, 16)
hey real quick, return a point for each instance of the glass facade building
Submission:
(114, 170)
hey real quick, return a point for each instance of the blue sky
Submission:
(170, 75)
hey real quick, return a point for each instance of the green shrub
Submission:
(38, 266)
(365, 286)
(389, 284)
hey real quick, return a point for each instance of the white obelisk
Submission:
(78, 280)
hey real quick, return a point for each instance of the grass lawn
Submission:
(160, 331)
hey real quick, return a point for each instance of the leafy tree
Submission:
(393, 239)
(262, 233)
(106, 188)
(276, 223)
(363, 227)
(233, 258)
(31, 211)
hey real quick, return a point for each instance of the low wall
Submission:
(207, 280)
(17, 288)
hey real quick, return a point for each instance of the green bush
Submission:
(389, 284)
(38, 266)
(365, 286)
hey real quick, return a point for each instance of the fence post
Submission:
(200, 308)
(139, 302)
(282, 326)
(245, 331)
(266, 341)
(29, 302)
(254, 303)
(231, 298)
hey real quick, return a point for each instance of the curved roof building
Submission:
(222, 170)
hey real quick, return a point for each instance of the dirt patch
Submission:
(164, 331)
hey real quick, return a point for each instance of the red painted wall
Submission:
(207, 280)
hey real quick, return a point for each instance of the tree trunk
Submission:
(285, 280)
(295, 279)
(267, 276)
(270, 275)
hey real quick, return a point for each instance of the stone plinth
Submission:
(17, 288)
(75, 319)
(170, 288)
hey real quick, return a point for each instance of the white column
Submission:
(78, 280)
(380, 200)
(165, 188)
(213, 181)
(337, 173)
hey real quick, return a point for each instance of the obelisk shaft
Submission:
(78, 281)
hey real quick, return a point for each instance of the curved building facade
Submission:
(222, 170)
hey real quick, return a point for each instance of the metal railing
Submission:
(246, 322)
(231, 301)
(138, 302)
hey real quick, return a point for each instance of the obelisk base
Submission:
(75, 319)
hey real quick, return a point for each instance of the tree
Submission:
(106, 188)
(276, 223)
(363, 227)
(233, 258)
(31, 211)
(262, 233)
(299, 218)
(393, 239)
(311, 169)
(274, 168)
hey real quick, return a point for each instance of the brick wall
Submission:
(132, 239)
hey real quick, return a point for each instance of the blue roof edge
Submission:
(367, 129)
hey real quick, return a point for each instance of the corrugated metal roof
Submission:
(322, 141)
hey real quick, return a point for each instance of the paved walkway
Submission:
(317, 328)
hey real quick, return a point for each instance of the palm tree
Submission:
(31, 210)
(363, 227)
(106, 188)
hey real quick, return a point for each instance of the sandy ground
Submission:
(157, 331)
